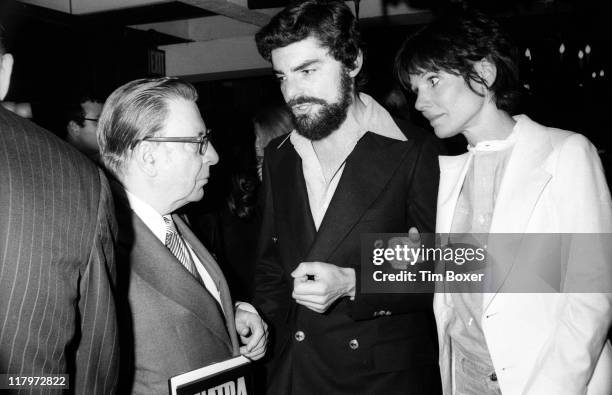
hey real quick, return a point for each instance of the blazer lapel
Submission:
(452, 175)
(291, 201)
(368, 169)
(156, 265)
(217, 276)
(524, 180)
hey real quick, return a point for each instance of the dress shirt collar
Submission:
(148, 215)
(495, 145)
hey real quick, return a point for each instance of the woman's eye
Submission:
(433, 81)
(308, 71)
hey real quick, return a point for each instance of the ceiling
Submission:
(146, 11)
(215, 36)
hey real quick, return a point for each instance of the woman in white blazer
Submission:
(522, 178)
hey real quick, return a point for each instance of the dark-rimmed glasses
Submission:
(202, 140)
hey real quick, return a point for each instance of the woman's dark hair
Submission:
(242, 200)
(272, 122)
(330, 21)
(453, 43)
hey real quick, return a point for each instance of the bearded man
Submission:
(346, 170)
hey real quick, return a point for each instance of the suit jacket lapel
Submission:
(368, 169)
(452, 175)
(291, 201)
(156, 265)
(216, 274)
(523, 182)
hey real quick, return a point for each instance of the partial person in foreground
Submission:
(57, 266)
(176, 312)
(346, 170)
(519, 177)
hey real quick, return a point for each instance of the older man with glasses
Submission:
(176, 313)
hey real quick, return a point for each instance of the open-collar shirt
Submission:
(320, 191)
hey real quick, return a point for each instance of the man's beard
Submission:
(330, 116)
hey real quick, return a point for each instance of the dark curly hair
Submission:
(242, 200)
(453, 43)
(330, 21)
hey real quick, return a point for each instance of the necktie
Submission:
(177, 246)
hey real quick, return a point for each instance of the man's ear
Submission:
(146, 158)
(487, 71)
(6, 68)
(73, 129)
(357, 65)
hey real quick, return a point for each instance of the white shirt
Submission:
(320, 191)
(155, 222)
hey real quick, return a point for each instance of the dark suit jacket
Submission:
(170, 323)
(57, 313)
(386, 186)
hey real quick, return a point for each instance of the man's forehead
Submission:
(92, 107)
(184, 118)
(296, 53)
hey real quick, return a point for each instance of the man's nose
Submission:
(211, 157)
(291, 89)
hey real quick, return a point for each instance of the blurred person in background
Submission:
(81, 124)
(270, 123)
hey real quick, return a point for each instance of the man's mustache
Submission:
(305, 100)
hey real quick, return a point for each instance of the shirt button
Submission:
(274, 239)
(481, 219)
(354, 344)
(493, 377)
(299, 336)
(388, 312)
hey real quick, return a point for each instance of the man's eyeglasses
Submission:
(90, 119)
(202, 141)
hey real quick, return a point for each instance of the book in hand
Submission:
(230, 377)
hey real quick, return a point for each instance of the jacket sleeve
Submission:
(97, 361)
(583, 208)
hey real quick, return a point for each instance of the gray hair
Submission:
(134, 111)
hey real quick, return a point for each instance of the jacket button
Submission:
(299, 336)
(493, 376)
(354, 344)
(274, 239)
(388, 312)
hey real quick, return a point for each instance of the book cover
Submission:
(230, 377)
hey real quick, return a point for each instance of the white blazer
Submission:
(545, 343)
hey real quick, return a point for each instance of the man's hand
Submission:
(411, 242)
(317, 285)
(252, 330)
